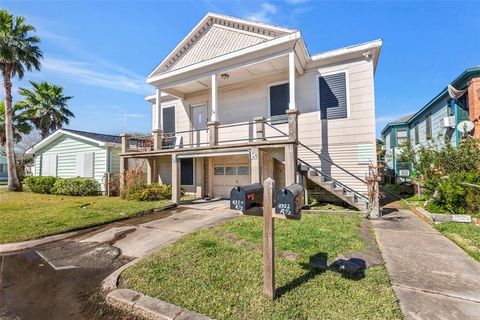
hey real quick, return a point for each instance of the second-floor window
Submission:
(401, 137)
(279, 99)
(333, 96)
(428, 127)
(168, 119)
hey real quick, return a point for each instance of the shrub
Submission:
(40, 184)
(76, 187)
(152, 192)
(134, 182)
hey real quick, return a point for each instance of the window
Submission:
(333, 96)
(428, 127)
(186, 172)
(417, 134)
(168, 119)
(231, 171)
(279, 99)
(85, 164)
(401, 136)
(243, 171)
(2, 168)
(219, 171)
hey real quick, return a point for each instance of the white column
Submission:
(157, 122)
(291, 79)
(214, 98)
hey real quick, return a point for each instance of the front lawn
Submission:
(465, 235)
(218, 272)
(26, 216)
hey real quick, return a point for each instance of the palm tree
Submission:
(20, 122)
(18, 51)
(47, 107)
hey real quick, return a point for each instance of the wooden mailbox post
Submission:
(268, 240)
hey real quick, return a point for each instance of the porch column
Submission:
(259, 128)
(255, 165)
(291, 80)
(157, 122)
(175, 179)
(290, 163)
(151, 171)
(213, 132)
(214, 98)
(157, 139)
(123, 160)
(292, 115)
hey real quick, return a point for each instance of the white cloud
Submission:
(264, 14)
(96, 74)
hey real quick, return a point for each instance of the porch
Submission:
(218, 158)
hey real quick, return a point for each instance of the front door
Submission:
(199, 122)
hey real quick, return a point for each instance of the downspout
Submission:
(457, 133)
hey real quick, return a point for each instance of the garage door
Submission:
(229, 172)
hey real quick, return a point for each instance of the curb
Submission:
(16, 246)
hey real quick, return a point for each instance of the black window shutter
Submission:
(279, 99)
(333, 96)
(168, 119)
(186, 172)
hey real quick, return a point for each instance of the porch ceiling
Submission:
(245, 73)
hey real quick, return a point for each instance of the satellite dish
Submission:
(465, 126)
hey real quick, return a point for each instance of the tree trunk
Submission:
(13, 182)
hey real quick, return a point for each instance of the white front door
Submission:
(199, 122)
(229, 172)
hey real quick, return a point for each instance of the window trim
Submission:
(428, 127)
(174, 112)
(347, 89)
(273, 84)
(396, 135)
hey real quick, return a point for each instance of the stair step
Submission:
(312, 173)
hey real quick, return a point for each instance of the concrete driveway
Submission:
(56, 280)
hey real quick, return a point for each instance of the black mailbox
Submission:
(289, 201)
(246, 197)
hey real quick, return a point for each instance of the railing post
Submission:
(213, 132)
(125, 142)
(157, 139)
(292, 115)
(259, 128)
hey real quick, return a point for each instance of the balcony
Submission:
(258, 132)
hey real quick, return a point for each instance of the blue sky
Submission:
(101, 51)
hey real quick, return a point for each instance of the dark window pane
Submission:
(168, 119)
(186, 172)
(279, 98)
(333, 96)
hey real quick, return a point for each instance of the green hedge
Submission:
(76, 187)
(69, 186)
(151, 192)
(40, 184)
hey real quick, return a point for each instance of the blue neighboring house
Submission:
(436, 121)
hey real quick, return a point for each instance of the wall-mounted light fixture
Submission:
(225, 76)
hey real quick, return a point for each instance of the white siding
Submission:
(66, 148)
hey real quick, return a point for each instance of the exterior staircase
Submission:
(333, 186)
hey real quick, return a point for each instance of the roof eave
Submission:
(55, 136)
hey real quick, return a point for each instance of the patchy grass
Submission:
(465, 235)
(26, 216)
(325, 206)
(218, 272)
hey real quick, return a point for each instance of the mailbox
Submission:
(289, 201)
(246, 197)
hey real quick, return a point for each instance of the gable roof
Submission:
(404, 119)
(98, 138)
(215, 35)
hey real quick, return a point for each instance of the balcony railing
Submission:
(258, 130)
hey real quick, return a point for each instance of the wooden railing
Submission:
(258, 130)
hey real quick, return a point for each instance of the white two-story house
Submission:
(238, 101)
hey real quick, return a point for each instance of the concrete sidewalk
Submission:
(432, 277)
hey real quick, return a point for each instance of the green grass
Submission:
(325, 206)
(26, 216)
(465, 235)
(218, 272)
(3, 183)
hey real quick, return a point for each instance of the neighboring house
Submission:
(436, 122)
(3, 169)
(70, 153)
(238, 101)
